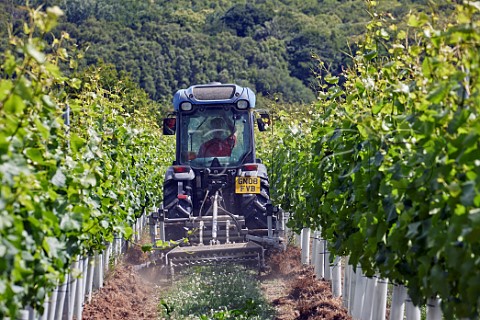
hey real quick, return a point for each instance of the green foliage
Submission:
(66, 190)
(387, 166)
(243, 19)
(217, 292)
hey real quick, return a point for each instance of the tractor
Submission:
(216, 202)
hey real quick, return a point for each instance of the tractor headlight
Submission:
(242, 104)
(186, 106)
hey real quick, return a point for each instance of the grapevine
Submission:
(66, 190)
(387, 164)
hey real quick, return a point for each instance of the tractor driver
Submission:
(218, 146)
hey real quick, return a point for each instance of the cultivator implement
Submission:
(220, 237)
(247, 253)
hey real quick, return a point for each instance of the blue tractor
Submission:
(216, 203)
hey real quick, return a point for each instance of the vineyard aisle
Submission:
(288, 286)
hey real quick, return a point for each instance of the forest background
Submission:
(272, 46)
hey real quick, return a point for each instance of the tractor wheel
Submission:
(176, 208)
(254, 207)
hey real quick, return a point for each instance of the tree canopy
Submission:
(269, 45)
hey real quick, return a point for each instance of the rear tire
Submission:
(254, 209)
(176, 208)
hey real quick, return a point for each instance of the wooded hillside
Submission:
(269, 45)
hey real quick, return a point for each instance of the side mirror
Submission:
(264, 121)
(169, 126)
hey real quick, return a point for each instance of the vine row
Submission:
(67, 189)
(386, 162)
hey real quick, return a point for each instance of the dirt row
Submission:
(304, 296)
(289, 286)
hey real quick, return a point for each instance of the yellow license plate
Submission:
(247, 185)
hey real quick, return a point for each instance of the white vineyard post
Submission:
(86, 264)
(411, 311)
(305, 245)
(337, 277)
(319, 257)
(77, 306)
(133, 238)
(380, 307)
(398, 302)
(284, 231)
(434, 311)
(24, 314)
(140, 227)
(298, 239)
(288, 232)
(116, 247)
(346, 285)
(72, 289)
(328, 268)
(369, 299)
(96, 271)
(119, 245)
(32, 315)
(360, 286)
(104, 261)
(90, 273)
(98, 274)
(314, 248)
(62, 292)
(99, 268)
(137, 230)
(46, 307)
(152, 222)
(353, 285)
(53, 304)
(108, 255)
(325, 262)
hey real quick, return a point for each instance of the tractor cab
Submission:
(214, 125)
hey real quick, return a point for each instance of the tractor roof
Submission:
(215, 93)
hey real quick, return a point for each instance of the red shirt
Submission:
(217, 147)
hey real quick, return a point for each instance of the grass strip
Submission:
(216, 292)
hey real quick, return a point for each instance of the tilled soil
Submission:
(294, 291)
(125, 296)
(289, 286)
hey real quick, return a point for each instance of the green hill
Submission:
(265, 44)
